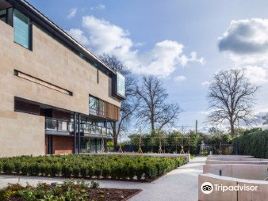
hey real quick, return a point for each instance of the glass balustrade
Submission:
(65, 126)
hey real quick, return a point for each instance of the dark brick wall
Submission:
(61, 145)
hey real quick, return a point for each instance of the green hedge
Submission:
(253, 143)
(91, 166)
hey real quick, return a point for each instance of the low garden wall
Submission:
(261, 162)
(243, 171)
(230, 171)
(229, 157)
(121, 167)
(260, 195)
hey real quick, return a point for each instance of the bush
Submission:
(91, 166)
(9, 167)
(91, 170)
(150, 171)
(43, 167)
(55, 169)
(24, 168)
(76, 171)
(1, 167)
(84, 170)
(66, 191)
(253, 143)
(106, 170)
(67, 171)
(34, 169)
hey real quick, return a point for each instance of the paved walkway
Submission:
(177, 185)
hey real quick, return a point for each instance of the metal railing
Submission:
(67, 126)
(96, 112)
(90, 129)
(58, 125)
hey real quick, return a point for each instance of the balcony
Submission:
(96, 112)
(95, 131)
(66, 127)
(58, 126)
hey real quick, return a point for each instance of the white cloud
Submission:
(162, 60)
(245, 36)
(256, 75)
(180, 78)
(98, 7)
(246, 44)
(78, 35)
(205, 83)
(72, 13)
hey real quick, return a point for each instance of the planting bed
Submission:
(68, 191)
(136, 168)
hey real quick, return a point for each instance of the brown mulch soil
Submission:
(103, 194)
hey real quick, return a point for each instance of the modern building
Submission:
(56, 96)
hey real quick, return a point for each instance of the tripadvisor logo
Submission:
(207, 187)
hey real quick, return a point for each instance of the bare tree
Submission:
(129, 105)
(231, 98)
(153, 108)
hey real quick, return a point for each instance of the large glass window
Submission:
(93, 105)
(101, 107)
(21, 29)
(120, 85)
(96, 106)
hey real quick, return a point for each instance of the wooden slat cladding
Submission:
(112, 111)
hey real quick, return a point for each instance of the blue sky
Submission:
(176, 40)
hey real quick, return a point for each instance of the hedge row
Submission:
(95, 166)
(253, 143)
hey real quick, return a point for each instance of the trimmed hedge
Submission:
(254, 143)
(91, 166)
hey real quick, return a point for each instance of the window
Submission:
(22, 31)
(101, 108)
(98, 76)
(93, 105)
(120, 85)
(96, 106)
(110, 86)
(3, 15)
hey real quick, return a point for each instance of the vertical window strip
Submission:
(21, 25)
(98, 76)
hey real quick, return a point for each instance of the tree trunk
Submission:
(152, 126)
(115, 136)
(232, 128)
(115, 143)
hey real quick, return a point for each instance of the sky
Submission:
(184, 43)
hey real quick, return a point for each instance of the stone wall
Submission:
(49, 61)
